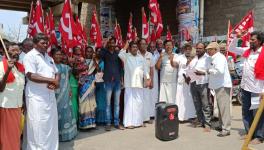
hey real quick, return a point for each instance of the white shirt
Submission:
(168, 74)
(21, 57)
(44, 66)
(149, 59)
(182, 61)
(135, 69)
(201, 64)
(219, 75)
(248, 82)
(156, 56)
(12, 96)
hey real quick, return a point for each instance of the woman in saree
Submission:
(85, 73)
(67, 121)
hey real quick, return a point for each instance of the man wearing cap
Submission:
(252, 82)
(220, 81)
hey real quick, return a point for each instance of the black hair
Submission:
(260, 36)
(88, 48)
(38, 37)
(200, 43)
(97, 48)
(26, 40)
(9, 44)
(132, 43)
(187, 45)
(142, 39)
(54, 50)
(5, 42)
(75, 48)
(112, 38)
(167, 41)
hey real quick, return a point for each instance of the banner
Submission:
(188, 14)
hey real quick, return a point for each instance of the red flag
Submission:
(53, 39)
(84, 34)
(130, 28)
(246, 26)
(153, 35)
(47, 31)
(67, 26)
(229, 38)
(47, 25)
(156, 18)
(31, 30)
(134, 34)
(160, 25)
(95, 32)
(145, 26)
(153, 6)
(38, 18)
(168, 36)
(118, 35)
(79, 36)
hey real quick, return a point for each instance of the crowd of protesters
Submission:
(60, 95)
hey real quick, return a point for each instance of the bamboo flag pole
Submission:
(6, 52)
(29, 18)
(253, 126)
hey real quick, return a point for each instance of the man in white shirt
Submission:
(199, 87)
(220, 81)
(27, 45)
(43, 79)
(252, 87)
(230, 60)
(147, 102)
(168, 74)
(159, 45)
(183, 94)
(136, 73)
(155, 81)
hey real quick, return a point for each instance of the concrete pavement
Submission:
(144, 139)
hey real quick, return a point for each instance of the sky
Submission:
(12, 21)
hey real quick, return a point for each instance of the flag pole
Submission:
(253, 126)
(30, 13)
(7, 55)
(227, 37)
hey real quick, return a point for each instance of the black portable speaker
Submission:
(167, 122)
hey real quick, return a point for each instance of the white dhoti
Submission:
(167, 92)
(147, 104)
(133, 107)
(154, 94)
(42, 122)
(184, 102)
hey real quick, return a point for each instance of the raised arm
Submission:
(173, 61)
(123, 52)
(4, 79)
(158, 64)
(238, 50)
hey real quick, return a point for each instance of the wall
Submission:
(218, 12)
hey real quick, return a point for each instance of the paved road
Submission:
(144, 139)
